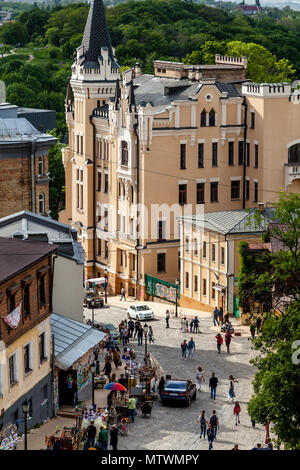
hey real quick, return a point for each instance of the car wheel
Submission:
(188, 401)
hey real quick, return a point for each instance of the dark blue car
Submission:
(180, 391)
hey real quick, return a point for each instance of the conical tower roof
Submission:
(96, 33)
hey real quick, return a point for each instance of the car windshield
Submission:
(142, 307)
(176, 385)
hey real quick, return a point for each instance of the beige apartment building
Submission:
(149, 149)
(209, 254)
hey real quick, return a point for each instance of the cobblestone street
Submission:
(173, 427)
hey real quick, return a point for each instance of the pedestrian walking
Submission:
(123, 294)
(213, 382)
(114, 437)
(228, 337)
(210, 437)
(219, 342)
(117, 357)
(161, 385)
(203, 424)
(167, 318)
(196, 325)
(103, 438)
(191, 326)
(140, 336)
(220, 316)
(183, 349)
(91, 434)
(258, 323)
(236, 412)
(150, 335)
(130, 328)
(199, 378)
(232, 381)
(191, 348)
(252, 329)
(215, 316)
(267, 428)
(131, 408)
(253, 422)
(136, 326)
(107, 369)
(182, 322)
(214, 422)
(186, 329)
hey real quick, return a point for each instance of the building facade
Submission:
(210, 260)
(151, 148)
(24, 175)
(25, 308)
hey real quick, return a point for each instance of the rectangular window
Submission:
(235, 189)
(99, 246)
(204, 286)
(187, 244)
(200, 193)
(222, 255)
(248, 154)
(99, 181)
(247, 190)
(201, 155)
(215, 154)
(195, 283)
(12, 302)
(241, 153)
(255, 192)
(231, 153)
(256, 156)
(252, 120)
(42, 347)
(133, 262)
(182, 194)
(121, 257)
(161, 230)
(182, 156)
(106, 249)
(77, 144)
(27, 360)
(161, 262)
(81, 144)
(214, 191)
(26, 301)
(186, 280)
(77, 195)
(81, 197)
(12, 370)
(106, 183)
(213, 252)
(204, 249)
(213, 291)
(42, 291)
(195, 246)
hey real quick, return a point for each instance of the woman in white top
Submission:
(199, 378)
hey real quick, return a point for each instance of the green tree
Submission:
(20, 94)
(57, 177)
(13, 33)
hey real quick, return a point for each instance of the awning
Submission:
(72, 339)
(97, 281)
(219, 288)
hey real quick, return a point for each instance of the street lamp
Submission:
(146, 335)
(25, 408)
(177, 282)
(105, 290)
(93, 370)
(93, 313)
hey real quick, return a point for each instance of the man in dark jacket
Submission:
(114, 437)
(91, 434)
(213, 382)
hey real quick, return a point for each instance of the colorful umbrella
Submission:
(115, 386)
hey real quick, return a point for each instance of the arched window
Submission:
(41, 203)
(124, 153)
(294, 153)
(203, 118)
(212, 117)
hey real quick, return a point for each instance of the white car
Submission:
(140, 312)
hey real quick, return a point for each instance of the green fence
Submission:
(162, 289)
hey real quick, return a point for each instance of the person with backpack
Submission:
(214, 422)
(191, 348)
(213, 382)
(219, 342)
(210, 437)
(199, 378)
(203, 424)
(228, 337)
(183, 349)
(236, 412)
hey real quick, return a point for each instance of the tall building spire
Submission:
(96, 33)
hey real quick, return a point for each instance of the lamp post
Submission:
(105, 290)
(177, 282)
(25, 407)
(93, 313)
(146, 335)
(93, 370)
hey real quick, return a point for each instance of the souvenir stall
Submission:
(9, 437)
(70, 438)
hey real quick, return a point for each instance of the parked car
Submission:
(110, 329)
(92, 297)
(177, 390)
(140, 312)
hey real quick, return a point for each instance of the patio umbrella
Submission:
(115, 386)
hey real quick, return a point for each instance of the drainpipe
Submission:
(245, 151)
(94, 196)
(137, 204)
(52, 283)
(32, 176)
